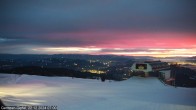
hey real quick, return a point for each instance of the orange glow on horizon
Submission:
(154, 52)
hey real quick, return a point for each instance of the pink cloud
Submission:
(129, 40)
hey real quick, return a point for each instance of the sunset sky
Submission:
(159, 28)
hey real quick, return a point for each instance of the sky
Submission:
(158, 28)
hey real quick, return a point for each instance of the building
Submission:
(147, 67)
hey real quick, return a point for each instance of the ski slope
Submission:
(66, 93)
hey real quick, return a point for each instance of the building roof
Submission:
(156, 63)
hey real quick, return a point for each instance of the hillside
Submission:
(66, 93)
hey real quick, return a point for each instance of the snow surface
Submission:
(136, 93)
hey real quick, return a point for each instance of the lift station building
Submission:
(151, 66)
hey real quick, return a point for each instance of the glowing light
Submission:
(94, 71)
(160, 52)
(67, 50)
(118, 49)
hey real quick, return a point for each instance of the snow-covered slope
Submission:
(66, 93)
